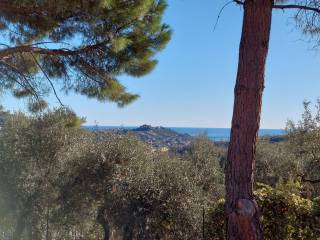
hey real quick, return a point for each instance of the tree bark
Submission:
(47, 223)
(102, 219)
(241, 208)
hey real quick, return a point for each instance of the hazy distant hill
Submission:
(159, 138)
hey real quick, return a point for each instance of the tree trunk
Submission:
(128, 231)
(17, 234)
(102, 219)
(47, 223)
(241, 208)
(30, 234)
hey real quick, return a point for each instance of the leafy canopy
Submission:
(81, 46)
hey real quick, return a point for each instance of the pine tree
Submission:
(78, 45)
(241, 208)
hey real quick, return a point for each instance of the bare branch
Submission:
(303, 179)
(220, 12)
(288, 6)
(238, 2)
(4, 53)
(299, 7)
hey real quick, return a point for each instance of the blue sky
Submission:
(193, 83)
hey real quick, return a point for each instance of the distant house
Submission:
(164, 149)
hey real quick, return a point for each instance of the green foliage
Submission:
(296, 158)
(37, 106)
(304, 144)
(316, 206)
(157, 199)
(215, 221)
(206, 166)
(3, 115)
(89, 180)
(142, 194)
(285, 215)
(275, 163)
(59, 181)
(33, 155)
(81, 46)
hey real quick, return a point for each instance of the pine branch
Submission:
(49, 80)
(5, 53)
(9, 7)
(16, 70)
(41, 12)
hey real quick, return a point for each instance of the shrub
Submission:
(157, 199)
(206, 161)
(285, 216)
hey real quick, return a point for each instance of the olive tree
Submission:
(33, 154)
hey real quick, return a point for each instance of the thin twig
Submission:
(220, 12)
(238, 2)
(13, 68)
(47, 77)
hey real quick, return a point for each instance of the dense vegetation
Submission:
(60, 181)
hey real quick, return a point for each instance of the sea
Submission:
(223, 134)
(215, 134)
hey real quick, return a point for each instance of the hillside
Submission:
(160, 138)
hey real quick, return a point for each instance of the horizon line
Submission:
(135, 126)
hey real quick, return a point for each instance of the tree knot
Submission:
(246, 208)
